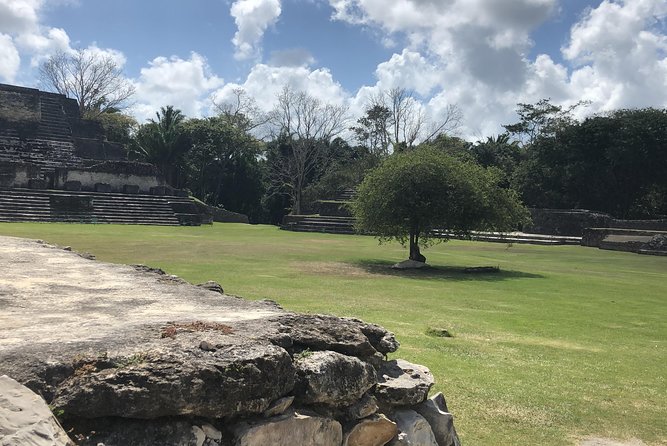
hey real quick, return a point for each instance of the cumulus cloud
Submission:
(252, 18)
(24, 35)
(265, 82)
(619, 51)
(18, 16)
(475, 53)
(9, 59)
(293, 57)
(184, 83)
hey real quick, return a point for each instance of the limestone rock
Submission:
(332, 378)
(434, 410)
(25, 419)
(409, 264)
(212, 285)
(363, 408)
(401, 383)
(128, 432)
(279, 406)
(211, 432)
(290, 429)
(346, 336)
(233, 380)
(414, 428)
(376, 430)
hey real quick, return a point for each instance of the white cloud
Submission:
(252, 18)
(292, 57)
(25, 38)
(619, 52)
(43, 44)
(475, 53)
(18, 16)
(9, 59)
(184, 83)
(409, 70)
(265, 82)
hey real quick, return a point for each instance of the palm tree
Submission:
(161, 142)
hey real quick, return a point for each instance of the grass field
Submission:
(563, 343)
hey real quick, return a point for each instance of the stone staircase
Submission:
(345, 225)
(24, 205)
(48, 145)
(317, 223)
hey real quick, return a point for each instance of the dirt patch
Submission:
(332, 269)
(595, 441)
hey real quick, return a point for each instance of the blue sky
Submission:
(483, 56)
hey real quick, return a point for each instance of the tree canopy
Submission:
(412, 196)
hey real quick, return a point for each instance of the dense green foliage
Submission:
(564, 342)
(615, 163)
(412, 195)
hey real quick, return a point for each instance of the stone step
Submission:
(35, 205)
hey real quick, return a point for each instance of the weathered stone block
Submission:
(130, 189)
(332, 378)
(25, 419)
(36, 183)
(103, 188)
(401, 383)
(434, 410)
(414, 429)
(376, 430)
(290, 429)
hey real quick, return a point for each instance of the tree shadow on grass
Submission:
(460, 273)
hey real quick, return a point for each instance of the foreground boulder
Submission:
(133, 356)
(290, 429)
(332, 378)
(25, 419)
(401, 383)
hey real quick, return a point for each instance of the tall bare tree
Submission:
(241, 111)
(306, 124)
(405, 120)
(95, 80)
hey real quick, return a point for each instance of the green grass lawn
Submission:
(564, 342)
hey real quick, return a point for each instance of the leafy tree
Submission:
(118, 127)
(412, 195)
(372, 130)
(615, 163)
(161, 142)
(223, 164)
(451, 145)
(95, 80)
(540, 119)
(499, 152)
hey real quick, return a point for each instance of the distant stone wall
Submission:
(116, 175)
(574, 222)
(17, 174)
(565, 221)
(19, 104)
(211, 214)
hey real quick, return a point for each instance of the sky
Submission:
(484, 56)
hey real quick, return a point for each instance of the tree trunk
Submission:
(415, 254)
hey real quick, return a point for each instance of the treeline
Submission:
(268, 164)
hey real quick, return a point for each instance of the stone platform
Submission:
(131, 355)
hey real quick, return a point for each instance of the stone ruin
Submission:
(128, 355)
(55, 166)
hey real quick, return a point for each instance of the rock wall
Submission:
(573, 222)
(117, 175)
(133, 356)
